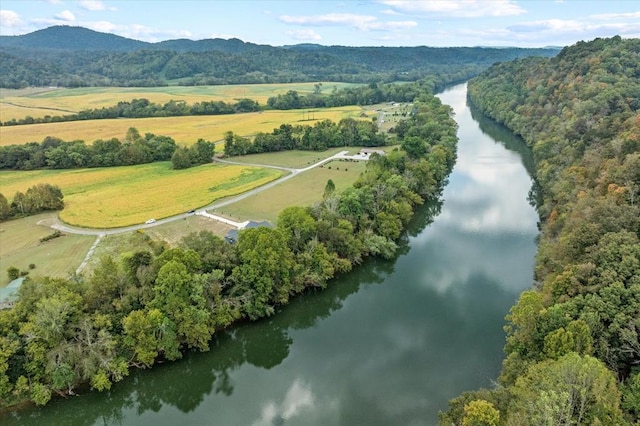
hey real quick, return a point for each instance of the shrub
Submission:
(13, 272)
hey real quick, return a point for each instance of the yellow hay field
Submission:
(185, 130)
(121, 196)
(22, 102)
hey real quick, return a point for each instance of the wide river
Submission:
(387, 344)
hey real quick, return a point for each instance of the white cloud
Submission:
(9, 18)
(297, 398)
(612, 16)
(65, 16)
(360, 22)
(92, 5)
(330, 19)
(456, 8)
(102, 26)
(304, 35)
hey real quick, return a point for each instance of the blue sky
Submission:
(347, 22)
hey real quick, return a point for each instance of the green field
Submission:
(304, 189)
(38, 102)
(20, 246)
(120, 196)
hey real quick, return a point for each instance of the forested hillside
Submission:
(573, 346)
(74, 56)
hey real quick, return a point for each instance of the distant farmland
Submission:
(185, 130)
(38, 102)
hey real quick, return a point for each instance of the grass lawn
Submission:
(120, 196)
(302, 190)
(293, 159)
(185, 130)
(38, 102)
(20, 246)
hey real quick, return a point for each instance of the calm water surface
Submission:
(388, 344)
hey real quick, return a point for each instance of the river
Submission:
(388, 344)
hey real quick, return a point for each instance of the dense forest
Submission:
(573, 340)
(152, 305)
(74, 56)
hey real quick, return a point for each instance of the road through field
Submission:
(57, 224)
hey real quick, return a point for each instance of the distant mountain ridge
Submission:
(76, 56)
(64, 37)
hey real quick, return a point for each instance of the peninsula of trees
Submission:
(573, 340)
(152, 305)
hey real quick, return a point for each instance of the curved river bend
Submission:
(388, 344)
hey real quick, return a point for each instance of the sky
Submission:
(440, 23)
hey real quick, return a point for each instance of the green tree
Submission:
(13, 273)
(571, 390)
(178, 294)
(5, 209)
(480, 413)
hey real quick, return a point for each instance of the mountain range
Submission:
(77, 56)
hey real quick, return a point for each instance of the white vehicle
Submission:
(150, 221)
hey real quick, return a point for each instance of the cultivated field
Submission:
(20, 246)
(185, 130)
(38, 102)
(304, 189)
(120, 196)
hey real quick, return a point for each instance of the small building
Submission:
(9, 294)
(369, 151)
(232, 236)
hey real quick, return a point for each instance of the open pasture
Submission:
(304, 189)
(185, 130)
(20, 246)
(38, 102)
(294, 159)
(120, 196)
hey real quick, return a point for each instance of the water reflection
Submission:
(389, 343)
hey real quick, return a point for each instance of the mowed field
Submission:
(20, 246)
(120, 196)
(304, 189)
(185, 130)
(38, 102)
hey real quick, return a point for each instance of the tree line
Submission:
(322, 135)
(143, 108)
(38, 198)
(54, 153)
(156, 303)
(573, 341)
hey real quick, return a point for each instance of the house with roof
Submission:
(232, 235)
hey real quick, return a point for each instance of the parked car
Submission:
(150, 221)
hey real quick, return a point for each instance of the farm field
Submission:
(38, 102)
(301, 190)
(185, 130)
(20, 246)
(120, 196)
